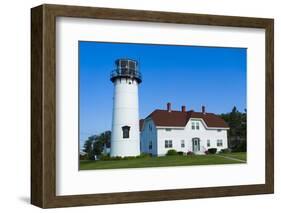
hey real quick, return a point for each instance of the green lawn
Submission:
(163, 161)
(237, 155)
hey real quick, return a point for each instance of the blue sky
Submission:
(183, 75)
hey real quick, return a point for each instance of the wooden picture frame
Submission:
(43, 105)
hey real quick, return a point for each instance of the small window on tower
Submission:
(126, 131)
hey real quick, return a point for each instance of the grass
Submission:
(165, 161)
(237, 155)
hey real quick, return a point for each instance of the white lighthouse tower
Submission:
(125, 138)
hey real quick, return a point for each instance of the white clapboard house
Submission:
(182, 130)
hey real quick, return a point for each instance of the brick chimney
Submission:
(169, 107)
(183, 108)
(203, 110)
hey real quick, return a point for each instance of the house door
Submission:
(196, 144)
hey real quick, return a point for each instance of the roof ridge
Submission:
(179, 118)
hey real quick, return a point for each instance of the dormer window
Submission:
(126, 131)
(197, 125)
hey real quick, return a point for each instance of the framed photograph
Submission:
(137, 106)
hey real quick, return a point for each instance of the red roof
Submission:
(180, 119)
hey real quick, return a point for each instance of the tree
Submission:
(95, 144)
(101, 141)
(88, 147)
(237, 135)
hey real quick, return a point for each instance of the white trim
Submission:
(169, 127)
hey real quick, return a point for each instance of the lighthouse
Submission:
(125, 137)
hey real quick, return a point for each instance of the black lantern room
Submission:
(126, 68)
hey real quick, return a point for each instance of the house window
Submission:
(150, 145)
(150, 127)
(182, 144)
(126, 131)
(168, 130)
(168, 143)
(197, 125)
(208, 143)
(219, 142)
(193, 125)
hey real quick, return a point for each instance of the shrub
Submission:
(144, 155)
(241, 147)
(129, 158)
(117, 158)
(172, 152)
(206, 152)
(180, 153)
(212, 150)
(111, 158)
(190, 153)
(83, 157)
(225, 151)
(105, 157)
